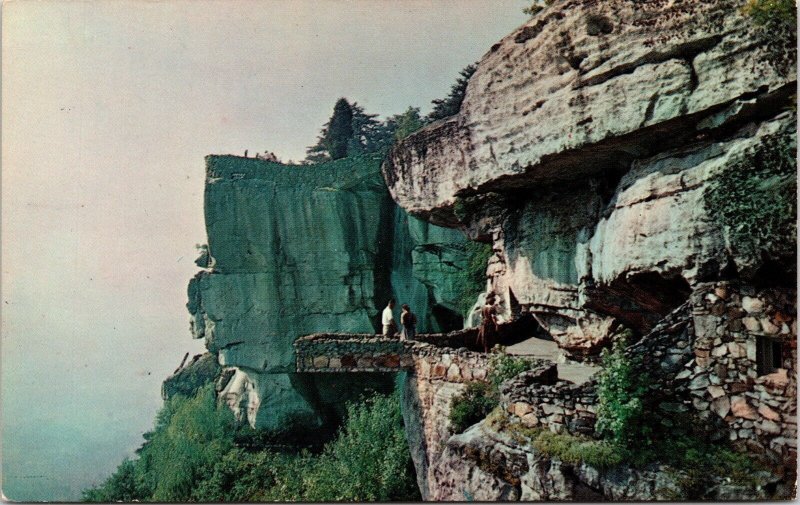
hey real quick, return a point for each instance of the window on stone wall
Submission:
(768, 355)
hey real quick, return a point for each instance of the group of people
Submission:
(487, 332)
(407, 319)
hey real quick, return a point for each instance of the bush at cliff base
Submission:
(193, 455)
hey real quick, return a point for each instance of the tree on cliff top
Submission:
(350, 131)
(449, 106)
(335, 136)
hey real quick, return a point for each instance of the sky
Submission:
(108, 109)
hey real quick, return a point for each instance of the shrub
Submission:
(780, 14)
(191, 456)
(472, 406)
(536, 7)
(368, 461)
(696, 463)
(451, 105)
(503, 367)
(481, 398)
(621, 388)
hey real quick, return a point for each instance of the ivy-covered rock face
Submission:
(754, 200)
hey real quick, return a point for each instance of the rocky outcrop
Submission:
(585, 150)
(438, 376)
(298, 250)
(560, 99)
(201, 370)
(487, 464)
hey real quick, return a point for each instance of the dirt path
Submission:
(547, 349)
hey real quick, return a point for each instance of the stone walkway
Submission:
(548, 349)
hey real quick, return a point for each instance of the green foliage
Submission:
(754, 200)
(350, 132)
(780, 14)
(124, 485)
(369, 134)
(536, 7)
(449, 106)
(471, 281)
(575, 449)
(196, 454)
(340, 130)
(480, 398)
(368, 461)
(621, 389)
(472, 406)
(406, 123)
(503, 367)
(778, 21)
(191, 435)
(696, 463)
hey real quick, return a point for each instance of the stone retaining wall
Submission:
(440, 374)
(540, 400)
(328, 352)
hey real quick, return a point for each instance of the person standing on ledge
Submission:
(488, 328)
(389, 326)
(409, 322)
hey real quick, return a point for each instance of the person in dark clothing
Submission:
(487, 333)
(409, 322)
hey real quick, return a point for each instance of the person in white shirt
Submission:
(389, 326)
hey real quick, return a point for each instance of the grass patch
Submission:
(574, 449)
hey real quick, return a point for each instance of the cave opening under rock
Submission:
(639, 300)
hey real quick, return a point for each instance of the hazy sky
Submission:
(108, 109)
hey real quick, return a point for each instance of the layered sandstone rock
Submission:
(583, 88)
(584, 152)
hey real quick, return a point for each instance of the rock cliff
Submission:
(627, 161)
(298, 250)
(587, 150)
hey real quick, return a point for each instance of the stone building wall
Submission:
(732, 376)
(710, 358)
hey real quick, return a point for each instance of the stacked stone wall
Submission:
(439, 375)
(327, 352)
(704, 359)
(729, 378)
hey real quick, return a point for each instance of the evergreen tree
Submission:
(339, 130)
(362, 134)
(335, 136)
(369, 134)
(449, 106)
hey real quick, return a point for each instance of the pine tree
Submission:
(369, 134)
(339, 130)
(449, 106)
(362, 134)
